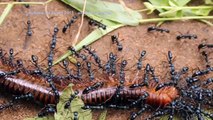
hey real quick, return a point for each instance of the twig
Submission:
(82, 21)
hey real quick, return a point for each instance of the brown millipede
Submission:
(41, 91)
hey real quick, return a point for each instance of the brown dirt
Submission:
(136, 39)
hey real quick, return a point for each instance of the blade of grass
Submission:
(92, 37)
(6, 12)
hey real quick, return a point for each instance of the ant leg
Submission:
(49, 109)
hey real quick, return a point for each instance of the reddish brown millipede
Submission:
(41, 92)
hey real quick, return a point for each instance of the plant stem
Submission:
(188, 7)
(177, 18)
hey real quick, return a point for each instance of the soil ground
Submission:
(135, 39)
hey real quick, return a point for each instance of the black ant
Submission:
(4, 74)
(29, 28)
(152, 28)
(26, 5)
(110, 66)
(205, 45)
(89, 70)
(65, 64)
(94, 55)
(155, 78)
(28, 96)
(118, 106)
(72, 97)
(75, 115)
(139, 63)
(68, 25)
(186, 36)
(93, 87)
(171, 65)
(100, 107)
(11, 57)
(202, 72)
(98, 24)
(205, 55)
(82, 56)
(122, 74)
(146, 74)
(115, 40)
(79, 74)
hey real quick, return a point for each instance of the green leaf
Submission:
(76, 106)
(6, 12)
(160, 3)
(204, 11)
(149, 6)
(179, 2)
(209, 2)
(103, 115)
(107, 10)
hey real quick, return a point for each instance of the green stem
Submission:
(177, 18)
(188, 7)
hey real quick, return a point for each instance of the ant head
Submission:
(143, 53)
(78, 64)
(34, 58)
(65, 63)
(11, 51)
(124, 62)
(56, 29)
(28, 22)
